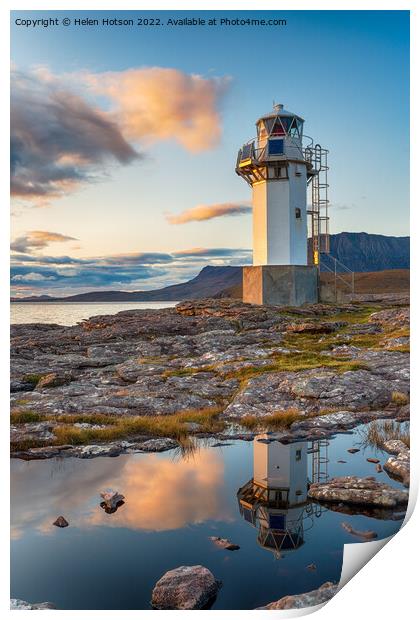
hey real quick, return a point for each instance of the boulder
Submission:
(399, 467)
(185, 587)
(61, 522)
(307, 599)
(359, 491)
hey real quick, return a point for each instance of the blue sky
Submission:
(346, 73)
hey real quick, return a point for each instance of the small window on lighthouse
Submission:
(275, 147)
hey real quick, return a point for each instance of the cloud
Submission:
(156, 103)
(65, 275)
(36, 240)
(32, 276)
(161, 494)
(210, 252)
(58, 140)
(209, 212)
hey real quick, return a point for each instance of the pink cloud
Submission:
(209, 212)
(159, 104)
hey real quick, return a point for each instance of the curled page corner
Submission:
(357, 555)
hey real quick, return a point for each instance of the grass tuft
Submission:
(399, 398)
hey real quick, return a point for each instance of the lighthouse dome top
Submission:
(278, 110)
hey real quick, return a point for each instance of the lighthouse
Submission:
(275, 500)
(279, 165)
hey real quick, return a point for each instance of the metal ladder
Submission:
(318, 211)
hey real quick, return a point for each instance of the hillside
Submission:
(365, 252)
(360, 252)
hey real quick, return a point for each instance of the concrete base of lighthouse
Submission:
(280, 285)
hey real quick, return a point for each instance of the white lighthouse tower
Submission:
(278, 167)
(275, 501)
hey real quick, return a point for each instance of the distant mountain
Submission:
(360, 252)
(365, 252)
(208, 283)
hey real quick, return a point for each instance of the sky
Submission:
(124, 139)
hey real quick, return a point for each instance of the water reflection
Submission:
(275, 501)
(160, 493)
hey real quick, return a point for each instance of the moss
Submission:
(185, 372)
(295, 362)
(32, 378)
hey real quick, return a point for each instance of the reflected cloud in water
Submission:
(160, 493)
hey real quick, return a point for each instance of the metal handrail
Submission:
(337, 274)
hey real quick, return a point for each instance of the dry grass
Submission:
(174, 426)
(399, 398)
(277, 420)
(378, 432)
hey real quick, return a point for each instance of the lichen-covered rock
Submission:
(38, 432)
(17, 603)
(395, 446)
(185, 587)
(53, 379)
(360, 491)
(195, 357)
(308, 599)
(399, 467)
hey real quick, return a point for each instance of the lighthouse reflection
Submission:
(275, 501)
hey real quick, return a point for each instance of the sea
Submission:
(72, 313)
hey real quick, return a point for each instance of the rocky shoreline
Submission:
(230, 369)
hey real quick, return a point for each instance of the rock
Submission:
(185, 587)
(358, 491)
(37, 432)
(308, 599)
(221, 444)
(399, 467)
(392, 318)
(366, 534)
(193, 427)
(61, 522)
(21, 386)
(53, 379)
(157, 445)
(353, 450)
(192, 357)
(395, 446)
(314, 328)
(379, 468)
(311, 567)
(112, 501)
(17, 603)
(372, 460)
(224, 543)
